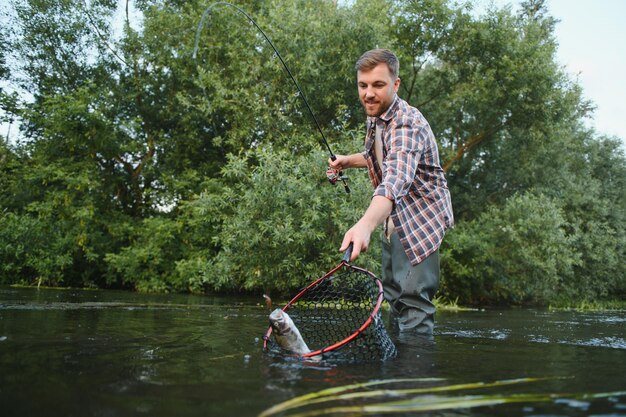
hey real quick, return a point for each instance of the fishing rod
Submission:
(332, 174)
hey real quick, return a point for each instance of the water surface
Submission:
(109, 353)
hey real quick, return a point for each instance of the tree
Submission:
(141, 167)
(244, 103)
(492, 90)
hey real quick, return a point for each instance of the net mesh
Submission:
(336, 308)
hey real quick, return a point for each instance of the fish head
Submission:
(281, 322)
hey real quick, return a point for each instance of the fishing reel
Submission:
(335, 175)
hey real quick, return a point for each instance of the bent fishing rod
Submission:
(332, 174)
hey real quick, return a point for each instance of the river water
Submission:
(109, 353)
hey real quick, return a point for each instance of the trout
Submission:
(286, 333)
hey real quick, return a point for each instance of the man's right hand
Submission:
(359, 237)
(359, 234)
(342, 162)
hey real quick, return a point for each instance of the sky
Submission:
(592, 50)
(591, 35)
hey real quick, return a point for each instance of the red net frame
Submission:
(340, 313)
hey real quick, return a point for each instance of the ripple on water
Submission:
(610, 342)
(611, 320)
(573, 403)
(479, 333)
(538, 338)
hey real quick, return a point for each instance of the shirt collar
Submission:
(387, 114)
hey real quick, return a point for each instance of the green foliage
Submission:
(493, 92)
(137, 166)
(277, 230)
(32, 251)
(146, 263)
(515, 253)
(595, 206)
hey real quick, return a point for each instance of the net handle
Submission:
(348, 253)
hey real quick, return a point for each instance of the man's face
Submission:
(377, 89)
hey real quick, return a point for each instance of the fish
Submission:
(286, 333)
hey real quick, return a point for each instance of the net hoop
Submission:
(351, 337)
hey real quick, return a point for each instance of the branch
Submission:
(466, 146)
(127, 18)
(416, 70)
(145, 158)
(127, 166)
(473, 141)
(101, 36)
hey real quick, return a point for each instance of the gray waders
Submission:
(409, 289)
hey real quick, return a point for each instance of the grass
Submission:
(40, 285)
(447, 305)
(586, 305)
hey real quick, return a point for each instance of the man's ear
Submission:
(396, 84)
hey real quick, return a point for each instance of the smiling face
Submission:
(377, 89)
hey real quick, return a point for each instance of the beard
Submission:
(373, 108)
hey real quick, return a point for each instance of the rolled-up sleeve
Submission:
(404, 144)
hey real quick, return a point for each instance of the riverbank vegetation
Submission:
(130, 164)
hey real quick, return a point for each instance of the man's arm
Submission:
(378, 210)
(356, 160)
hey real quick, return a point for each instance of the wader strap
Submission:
(378, 152)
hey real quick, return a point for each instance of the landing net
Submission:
(339, 317)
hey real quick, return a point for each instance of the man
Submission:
(411, 196)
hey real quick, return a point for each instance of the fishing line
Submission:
(333, 175)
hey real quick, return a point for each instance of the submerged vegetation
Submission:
(129, 164)
(358, 399)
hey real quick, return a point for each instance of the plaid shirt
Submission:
(413, 178)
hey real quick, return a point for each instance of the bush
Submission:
(518, 253)
(282, 223)
(32, 251)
